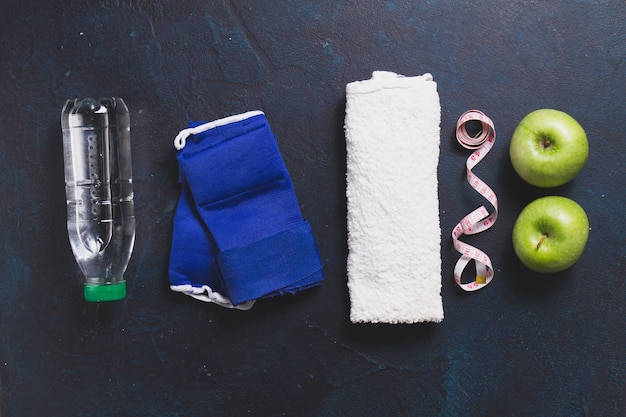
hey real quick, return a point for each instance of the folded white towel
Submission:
(392, 128)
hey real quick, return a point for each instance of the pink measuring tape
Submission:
(478, 220)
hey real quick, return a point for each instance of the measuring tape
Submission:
(478, 220)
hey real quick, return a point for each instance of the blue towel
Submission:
(239, 234)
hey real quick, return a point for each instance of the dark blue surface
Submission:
(526, 345)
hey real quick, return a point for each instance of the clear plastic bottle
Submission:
(99, 192)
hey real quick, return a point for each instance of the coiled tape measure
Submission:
(478, 220)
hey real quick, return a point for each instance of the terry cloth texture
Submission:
(238, 234)
(392, 128)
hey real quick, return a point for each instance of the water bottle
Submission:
(99, 193)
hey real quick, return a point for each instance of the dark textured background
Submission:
(526, 345)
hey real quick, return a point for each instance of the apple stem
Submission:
(545, 143)
(544, 237)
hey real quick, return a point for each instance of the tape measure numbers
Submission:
(478, 220)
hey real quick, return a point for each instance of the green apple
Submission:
(548, 148)
(550, 234)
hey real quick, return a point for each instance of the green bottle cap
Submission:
(105, 292)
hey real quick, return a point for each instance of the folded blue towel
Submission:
(239, 234)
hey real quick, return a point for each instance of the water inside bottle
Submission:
(98, 185)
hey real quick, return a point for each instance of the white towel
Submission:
(392, 128)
